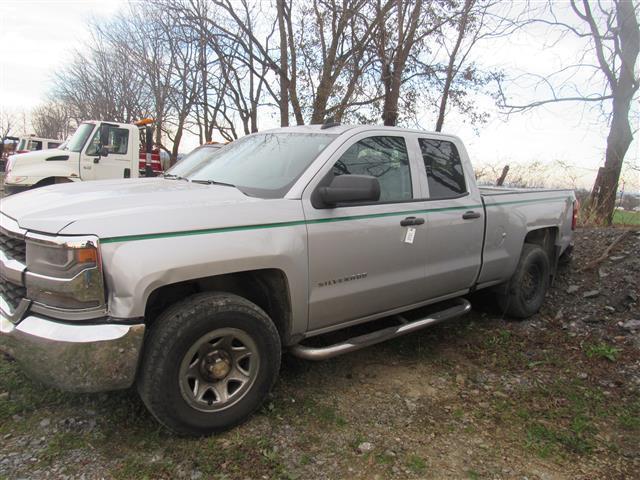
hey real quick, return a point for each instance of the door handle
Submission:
(411, 221)
(470, 215)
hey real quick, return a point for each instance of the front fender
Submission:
(27, 170)
(135, 268)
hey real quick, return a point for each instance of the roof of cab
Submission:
(340, 129)
(335, 130)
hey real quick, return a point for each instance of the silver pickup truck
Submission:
(191, 285)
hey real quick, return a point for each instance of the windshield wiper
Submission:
(213, 182)
(172, 176)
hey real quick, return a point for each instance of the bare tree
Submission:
(7, 123)
(7, 127)
(471, 22)
(612, 32)
(52, 120)
(102, 84)
(400, 40)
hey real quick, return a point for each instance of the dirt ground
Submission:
(557, 396)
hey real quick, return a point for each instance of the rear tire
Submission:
(527, 287)
(209, 362)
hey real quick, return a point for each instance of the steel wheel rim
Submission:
(531, 282)
(219, 369)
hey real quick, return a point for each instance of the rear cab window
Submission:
(445, 175)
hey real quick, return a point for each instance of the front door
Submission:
(362, 261)
(117, 164)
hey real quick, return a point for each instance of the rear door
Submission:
(361, 261)
(117, 164)
(454, 213)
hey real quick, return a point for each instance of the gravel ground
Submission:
(556, 396)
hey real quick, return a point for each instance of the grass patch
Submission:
(385, 458)
(602, 350)
(136, 467)
(546, 439)
(325, 415)
(629, 416)
(416, 464)
(623, 217)
(473, 475)
(501, 339)
(560, 419)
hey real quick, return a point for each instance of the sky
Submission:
(37, 37)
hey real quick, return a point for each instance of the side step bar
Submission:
(361, 341)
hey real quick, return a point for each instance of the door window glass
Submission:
(444, 168)
(35, 145)
(117, 141)
(386, 159)
(78, 139)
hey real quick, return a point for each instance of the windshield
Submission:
(22, 144)
(263, 165)
(78, 139)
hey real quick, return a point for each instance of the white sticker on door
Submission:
(410, 235)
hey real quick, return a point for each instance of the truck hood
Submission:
(128, 207)
(42, 155)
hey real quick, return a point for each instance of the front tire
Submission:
(527, 287)
(209, 362)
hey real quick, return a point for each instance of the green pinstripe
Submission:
(207, 231)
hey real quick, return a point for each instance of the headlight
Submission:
(64, 273)
(63, 261)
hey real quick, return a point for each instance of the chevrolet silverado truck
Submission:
(96, 151)
(192, 284)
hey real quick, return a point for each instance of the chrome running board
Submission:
(361, 341)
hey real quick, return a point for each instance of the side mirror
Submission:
(350, 189)
(102, 152)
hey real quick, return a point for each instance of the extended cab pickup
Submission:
(190, 285)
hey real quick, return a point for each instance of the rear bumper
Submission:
(74, 357)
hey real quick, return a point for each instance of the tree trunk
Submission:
(293, 89)
(603, 196)
(284, 67)
(391, 97)
(502, 176)
(176, 144)
(451, 67)
(321, 100)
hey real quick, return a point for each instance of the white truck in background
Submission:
(11, 145)
(31, 143)
(98, 150)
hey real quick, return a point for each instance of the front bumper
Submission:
(74, 357)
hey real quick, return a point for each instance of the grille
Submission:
(13, 247)
(12, 293)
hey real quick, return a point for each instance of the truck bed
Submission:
(490, 190)
(513, 212)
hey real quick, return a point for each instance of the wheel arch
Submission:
(547, 239)
(45, 182)
(267, 288)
